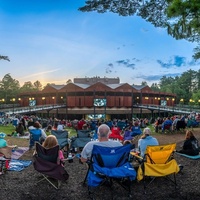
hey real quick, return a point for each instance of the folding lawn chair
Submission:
(62, 137)
(108, 165)
(158, 161)
(167, 128)
(35, 135)
(83, 137)
(180, 126)
(46, 163)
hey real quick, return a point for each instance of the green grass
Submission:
(7, 129)
(10, 128)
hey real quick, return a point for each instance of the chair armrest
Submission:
(136, 155)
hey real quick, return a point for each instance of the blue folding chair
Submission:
(108, 165)
(35, 135)
(136, 131)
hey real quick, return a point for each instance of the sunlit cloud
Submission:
(40, 73)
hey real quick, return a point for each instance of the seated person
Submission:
(103, 135)
(5, 149)
(158, 124)
(190, 146)
(127, 134)
(50, 142)
(20, 129)
(135, 129)
(43, 135)
(116, 133)
(167, 124)
(175, 123)
(146, 140)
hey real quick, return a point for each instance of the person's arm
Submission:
(86, 152)
(83, 160)
(43, 134)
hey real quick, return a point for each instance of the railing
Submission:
(174, 109)
(29, 109)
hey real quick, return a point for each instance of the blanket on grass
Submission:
(18, 165)
(187, 156)
(22, 137)
(17, 153)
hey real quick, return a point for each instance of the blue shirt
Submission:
(3, 143)
(143, 143)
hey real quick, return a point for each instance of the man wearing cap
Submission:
(145, 141)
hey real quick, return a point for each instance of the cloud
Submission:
(40, 73)
(144, 30)
(109, 68)
(126, 63)
(158, 77)
(175, 61)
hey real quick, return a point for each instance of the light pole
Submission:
(13, 100)
(43, 100)
(53, 98)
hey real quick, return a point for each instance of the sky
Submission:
(52, 42)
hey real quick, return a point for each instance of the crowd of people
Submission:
(107, 132)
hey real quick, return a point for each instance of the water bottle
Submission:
(70, 159)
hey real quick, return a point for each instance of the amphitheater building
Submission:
(96, 98)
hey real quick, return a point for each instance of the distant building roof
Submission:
(138, 87)
(57, 87)
(96, 79)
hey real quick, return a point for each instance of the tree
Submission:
(69, 81)
(155, 87)
(37, 85)
(180, 18)
(144, 83)
(27, 87)
(196, 97)
(9, 88)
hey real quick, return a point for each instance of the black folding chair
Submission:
(46, 163)
(83, 137)
(62, 137)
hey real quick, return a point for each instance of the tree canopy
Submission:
(180, 18)
(186, 87)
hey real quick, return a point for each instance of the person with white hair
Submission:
(146, 140)
(103, 140)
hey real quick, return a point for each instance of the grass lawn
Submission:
(23, 142)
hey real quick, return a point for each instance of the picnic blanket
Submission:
(18, 165)
(17, 153)
(22, 137)
(187, 156)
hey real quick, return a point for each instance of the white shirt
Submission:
(87, 150)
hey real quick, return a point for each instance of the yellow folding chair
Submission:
(158, 161)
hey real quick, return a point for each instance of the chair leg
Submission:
(47, 179)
